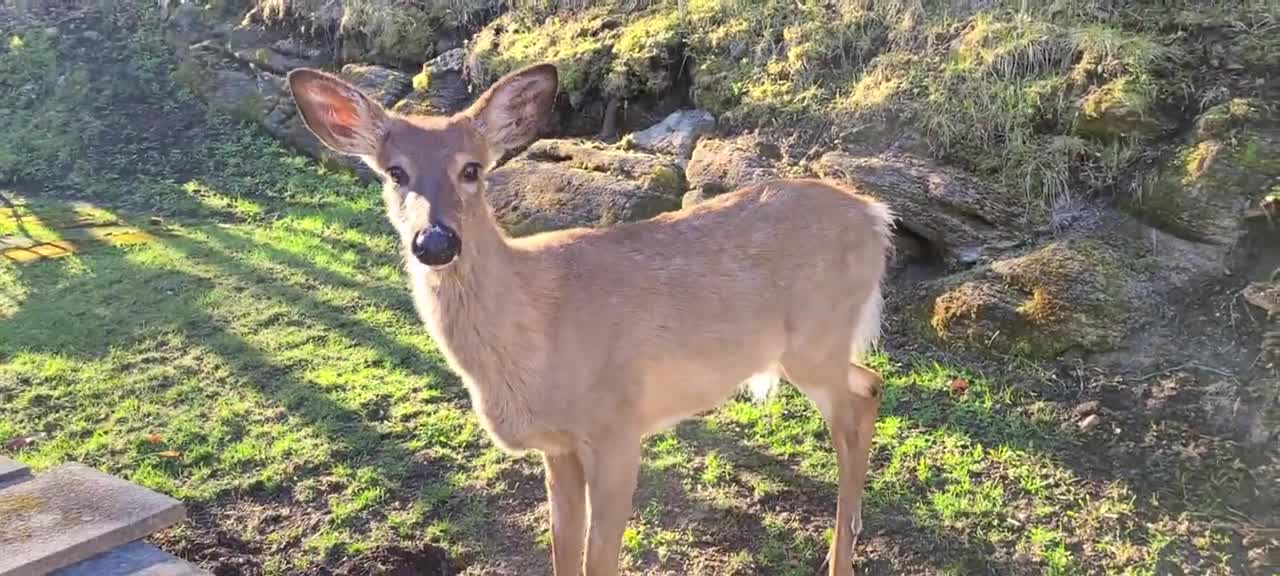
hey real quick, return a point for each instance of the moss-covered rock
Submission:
(439, 89)
(1118, 109)
(558, 184)
(1078, 293)
(964, 218)
(385, 85)
(599, 52)
(1204, 190)
(380, 31)
(724, 165)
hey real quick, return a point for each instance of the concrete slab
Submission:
(12, 471)
(71, 513)
(136, 558)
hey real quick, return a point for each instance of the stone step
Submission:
(136, 558)
(12, 472)
(71, 513)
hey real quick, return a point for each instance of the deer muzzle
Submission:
(437, 245)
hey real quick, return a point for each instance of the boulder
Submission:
(558, 184)
(384, 85)
(719, 166)
(965, 219)
(440, 89)
(1077, 293)
(1083, 292)
(1205, 190)
(675, 135)
(232, 86)
(1116, 110)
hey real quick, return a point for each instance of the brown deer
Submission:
(580, 343)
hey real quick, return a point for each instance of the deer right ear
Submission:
(512, 112)
(339, 114)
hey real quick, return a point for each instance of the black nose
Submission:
(437, 245)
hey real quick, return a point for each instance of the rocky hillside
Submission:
(1059, 170)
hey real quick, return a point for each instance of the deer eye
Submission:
(398, 175)
(471, 172)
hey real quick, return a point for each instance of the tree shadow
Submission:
(105, 299)
(115, 300)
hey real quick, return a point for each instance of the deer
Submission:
(580, 343)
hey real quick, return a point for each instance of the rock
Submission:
(1118, 109)
(231, 86)
(676, 134)
(1204, 192)
(558, 184)
(965, 219)
(439, 89)
(273, 61)
(228, 84)
(1083, 292)
(1264, 295)
(693, 198)
(1085, 408)
(1089, 422)
(384, 85)
(1079, 293)
(720, 166)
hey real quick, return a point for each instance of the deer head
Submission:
(434, 169)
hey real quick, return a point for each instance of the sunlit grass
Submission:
(259, 358)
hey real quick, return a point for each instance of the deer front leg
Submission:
(567, 492)
(611, 482)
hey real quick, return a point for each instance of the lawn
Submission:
(241, 338)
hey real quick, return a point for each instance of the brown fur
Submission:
(579, 343)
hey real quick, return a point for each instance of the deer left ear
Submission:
(513, 111)
(339, 114)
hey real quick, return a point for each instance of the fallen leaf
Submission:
(155, 438)
(170, 454)
(17, 443)
(959, 385)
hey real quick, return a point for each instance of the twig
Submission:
(1195, 365)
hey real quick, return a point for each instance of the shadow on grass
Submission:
(113, 298)
(107, 299)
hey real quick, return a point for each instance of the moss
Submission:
(422, 81)
(1221, 120)
(643, 54)
(1066, 294)
(381, 31)
(667, 179)
(597, 51)
(1204, 189)
(1117, 109)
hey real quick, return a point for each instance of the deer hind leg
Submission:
(848, 396)
(612, 466)
(567, 492)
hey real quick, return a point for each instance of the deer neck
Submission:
(479, 312)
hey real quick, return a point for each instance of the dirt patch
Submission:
(427, 560)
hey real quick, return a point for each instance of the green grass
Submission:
(261, 361)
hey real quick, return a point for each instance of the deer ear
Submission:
(512, 112)
(339, 114)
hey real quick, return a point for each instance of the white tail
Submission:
(580, 343)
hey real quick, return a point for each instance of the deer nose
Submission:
(437, 245)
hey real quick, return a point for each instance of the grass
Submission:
(261, 361)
